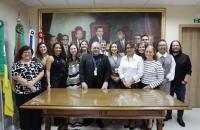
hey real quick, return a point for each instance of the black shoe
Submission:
(87, 122)
(100, 123)
(126, 126)
(167, 117)
(181, 122)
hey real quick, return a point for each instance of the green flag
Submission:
(19, 38)
(2, 49)
(7, 91)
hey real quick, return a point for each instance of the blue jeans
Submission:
(179, 90)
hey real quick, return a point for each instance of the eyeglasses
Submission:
(27, 52)
(129, 47)
(65, 39)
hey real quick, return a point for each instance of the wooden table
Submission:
(106, 104)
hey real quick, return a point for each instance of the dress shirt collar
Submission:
(132, 58)
(159, 54)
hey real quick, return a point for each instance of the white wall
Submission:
(8, 13)
(179, 15)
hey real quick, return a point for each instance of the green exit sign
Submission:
(197, 20)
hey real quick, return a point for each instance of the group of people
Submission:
(120, 64)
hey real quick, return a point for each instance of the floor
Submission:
(191, 118)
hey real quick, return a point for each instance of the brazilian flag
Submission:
(7, 90)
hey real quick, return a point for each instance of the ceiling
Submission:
(107, 3)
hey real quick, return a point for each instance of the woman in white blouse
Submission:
(131, 68)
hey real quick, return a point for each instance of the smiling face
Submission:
(149, 53)
(73, 50)
(57, 49)
(95, 48)
(103, 45)
(129, 50)
(176, 47)
(27, 55)
(137, 39)
(162, 47)
(145, 39)
(114, 49)
(141, 48)
(43, 49)
(84, 46)
(65, 40)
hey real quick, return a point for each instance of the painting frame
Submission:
(162, 11)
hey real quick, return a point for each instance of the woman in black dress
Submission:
(56, 68)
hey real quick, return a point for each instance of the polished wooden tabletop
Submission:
(98, 99)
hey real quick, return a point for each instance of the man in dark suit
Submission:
(99, 36)
(65, 43)
(79, 37)
(122, 41)
(95, 72)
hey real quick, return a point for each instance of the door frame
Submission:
(181, 26)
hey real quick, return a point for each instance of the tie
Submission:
(100, 39)
(162, 60)
(122, 43)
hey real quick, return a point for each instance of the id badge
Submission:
(116, 70)
(95, 71)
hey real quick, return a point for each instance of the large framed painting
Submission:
(133, 21)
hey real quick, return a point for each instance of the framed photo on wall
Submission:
(133, 21)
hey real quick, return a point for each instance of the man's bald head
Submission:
(95, 48)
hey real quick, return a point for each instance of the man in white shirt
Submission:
(168, 64)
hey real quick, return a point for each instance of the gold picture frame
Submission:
(162, 12)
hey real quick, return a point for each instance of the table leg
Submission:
(47, 123)
(159, 124)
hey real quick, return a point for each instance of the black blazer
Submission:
(119, 46)
(95, 38)
(87, 70)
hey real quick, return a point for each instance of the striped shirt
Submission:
(73, 79)
(153, 73)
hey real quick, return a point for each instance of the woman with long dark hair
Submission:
(73, 79)
(56, 68)
(42, 56)
(114, 58)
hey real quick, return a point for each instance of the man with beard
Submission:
(183, 72)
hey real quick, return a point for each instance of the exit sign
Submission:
(197, 20)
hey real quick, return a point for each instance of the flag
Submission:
(41, 37)
(7, 90)
(32, 39)
(19, 38)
